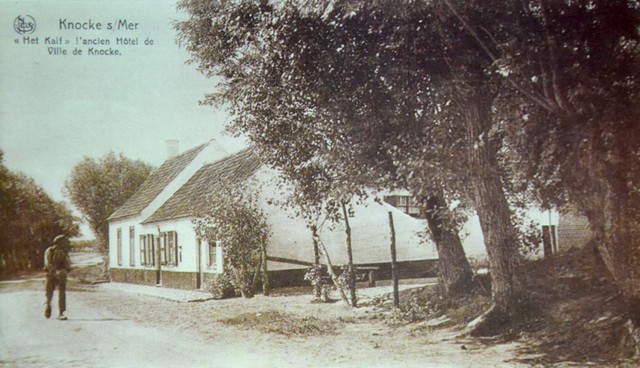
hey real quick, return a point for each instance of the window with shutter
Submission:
(162, 245)
(151, 251)
(119, 246)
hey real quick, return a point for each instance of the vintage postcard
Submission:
(231, 183)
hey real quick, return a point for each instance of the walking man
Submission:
(57, 264)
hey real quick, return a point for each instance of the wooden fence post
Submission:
(352, 270)
(394, 267)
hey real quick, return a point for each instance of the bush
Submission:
(318, 279)
(222, 287)
(234, 219)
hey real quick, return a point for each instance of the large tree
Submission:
(29, 221)
(443, 88)
(97, 187)
(571, 113)
(302, 88)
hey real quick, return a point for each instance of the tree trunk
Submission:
(317, 287)
(266, 285)
(456, 276)
(243, 283)
(352, 271)
(608, 209)
(620, 253)
(500, 235)
(333, 275)
(256, 273)
(394, 267)
(103, 246)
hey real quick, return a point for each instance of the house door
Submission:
(199, 263)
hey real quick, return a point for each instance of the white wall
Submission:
(473, 240)
(186, 242)
(124, 225)
(291, 238)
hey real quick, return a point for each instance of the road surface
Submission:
(91, 338)
(113, 326)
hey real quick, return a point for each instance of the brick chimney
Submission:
(172, 147)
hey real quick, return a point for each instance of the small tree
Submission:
(234, 220)
(98, 187)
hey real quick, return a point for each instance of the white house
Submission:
(152, 240)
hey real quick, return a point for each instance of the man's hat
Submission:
(58, 239)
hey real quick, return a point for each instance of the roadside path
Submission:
(93, 338)
(115, 325)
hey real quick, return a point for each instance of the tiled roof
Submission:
(192, 196)
(155, 183)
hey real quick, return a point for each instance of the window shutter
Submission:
(178, 248)
(119, 245)
(143, 251)
(132, 246)
(151, 246)
(169, 247)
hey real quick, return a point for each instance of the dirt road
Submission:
(93, 338)
(112, 328)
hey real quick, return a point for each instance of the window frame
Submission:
(119, 246)
(214, 256)
(162, 246)
(170, 253)
(151, 251)
(143, 250)
(132, 246)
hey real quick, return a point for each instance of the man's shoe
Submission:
(62, 317)
(47, 311)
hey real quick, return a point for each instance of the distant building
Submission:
(574, 230)
(405, 202)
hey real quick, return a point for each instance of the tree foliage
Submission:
(574, 66)
(307, 87)
(97, 187)
(29, 220)
(234, 220)
(485, 101)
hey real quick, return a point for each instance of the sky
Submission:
(56, 109)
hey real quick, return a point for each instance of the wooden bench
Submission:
(371, 272)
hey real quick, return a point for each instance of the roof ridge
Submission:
(157, 180)
(191, 197)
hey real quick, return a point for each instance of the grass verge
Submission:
(282, 324)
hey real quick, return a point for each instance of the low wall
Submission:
(406, 270)
(133, 276)
(170, 279)
(277, 279)
(179, 280)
